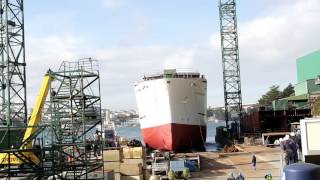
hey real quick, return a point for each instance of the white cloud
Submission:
(43, 53)
(120, 67)
(181, 58)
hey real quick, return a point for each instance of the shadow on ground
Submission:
(211, 167)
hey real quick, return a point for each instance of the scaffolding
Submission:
(56, 148)
(75, 118)
(70, 126)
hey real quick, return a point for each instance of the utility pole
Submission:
(230, 62)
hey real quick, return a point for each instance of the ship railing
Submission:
(187, 70)
(179, 73)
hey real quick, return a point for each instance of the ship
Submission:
(172, 110)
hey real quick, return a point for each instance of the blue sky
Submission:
(133, 37)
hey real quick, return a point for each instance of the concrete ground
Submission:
(218, 166)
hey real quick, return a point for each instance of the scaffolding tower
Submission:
(230, 62)
(75, 107)
(73, 115)
(13, 106)
(70, 123)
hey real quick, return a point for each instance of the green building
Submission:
(308, 69)
(306, 87)
(308, 66)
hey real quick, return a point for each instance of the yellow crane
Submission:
(35, 118)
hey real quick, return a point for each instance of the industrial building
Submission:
(293, 108)
(307, 88)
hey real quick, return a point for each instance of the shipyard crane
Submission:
(24, 155)
(16, 149)
(13, 106)
(230, 63)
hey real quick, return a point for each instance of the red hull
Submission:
(175, 137)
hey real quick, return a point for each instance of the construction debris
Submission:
(230, 148)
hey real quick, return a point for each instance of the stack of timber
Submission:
(134, 163)
(127, 162)
(111, 161)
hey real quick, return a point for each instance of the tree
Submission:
(273, 94)
(288, 91)
(316, 107)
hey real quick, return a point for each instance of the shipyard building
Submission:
(289, 110)
(307, 88)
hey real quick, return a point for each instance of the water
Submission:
(134, 133)
(211, 130)
(129, 132)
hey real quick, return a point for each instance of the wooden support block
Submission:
(115, 166)
(135, 161)
(130, 169)
(112, 155)
(133, 153)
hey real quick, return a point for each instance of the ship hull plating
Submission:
(175, 137)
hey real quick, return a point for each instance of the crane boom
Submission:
(37, 111)
(31, 128)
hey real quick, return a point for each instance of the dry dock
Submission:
(219, 165)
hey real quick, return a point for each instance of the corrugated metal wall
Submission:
(306, 87)
(312, 87)
(281, 104)
(301, 88)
